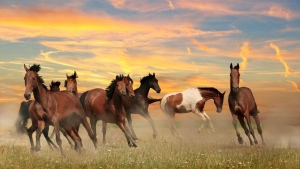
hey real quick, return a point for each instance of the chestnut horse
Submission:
(242, 105)
(27, 111)
(139, 104)
(107, 105)
(191, 100)
(61, 109)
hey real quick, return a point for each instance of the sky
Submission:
(187, 43)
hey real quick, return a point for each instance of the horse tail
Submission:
(151, 100)
(23, 116)
(82, 98)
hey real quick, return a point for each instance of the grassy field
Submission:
(204, 150)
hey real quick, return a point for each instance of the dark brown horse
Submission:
(242, 105)
(108, 106)
(61, 109)
(27, 110)
(139, 104)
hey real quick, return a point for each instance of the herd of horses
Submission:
(66, 110)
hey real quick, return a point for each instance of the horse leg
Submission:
(210, 123)
(104, 125)
(72, 133)
(49, 141)
(41, 127)
(170, 115)
(32, 129)
(242, 122)
(52, 134)
(147, 116)
(58, 140)
(257, 121)
(89, 130)
(127, 135)
(66, 135)
(128, 116)
(250, 128)
(200, 114)
(93, 121)
(234, 123)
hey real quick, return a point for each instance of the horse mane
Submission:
(129, 78)
(36, 68)
(110, 90)
(236, 67)
(145, 78)
(214, 91)
(57, 83)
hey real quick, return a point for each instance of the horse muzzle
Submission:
(131, 95)
(158, 91)
(27, 96)
(235, 89)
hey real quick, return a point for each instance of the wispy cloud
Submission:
(171, 4)
(203, 47)
(189, 50)
(295, 85)
(279, 56)
(245, 50)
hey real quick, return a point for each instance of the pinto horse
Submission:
(242, 105)
(61, 109)
(106, 105)
(190, 100)
(139, 104)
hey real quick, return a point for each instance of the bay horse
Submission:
(139, 104)
(242, 105)
(61, 109)
(191, 100)
(107, 105)
(27, 110)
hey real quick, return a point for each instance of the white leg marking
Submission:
(198, 113)
(210, 123)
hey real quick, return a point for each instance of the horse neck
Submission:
(117, 101)
(144, 89)
(75, 90)
(40, 93)
(209, 95)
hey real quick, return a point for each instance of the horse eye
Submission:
(33, 78)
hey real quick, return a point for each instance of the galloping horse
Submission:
(242, 105)
(139, 104)
(108, 107)
(191, 100)
(61, 109)
(27, 110)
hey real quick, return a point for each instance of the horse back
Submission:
(95, 101)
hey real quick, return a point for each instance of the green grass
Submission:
(204, 150)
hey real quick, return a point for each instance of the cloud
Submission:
(295, 85)
(171, 4)
(279, 56)
(189, 50)
(203, 47)
(245, 50)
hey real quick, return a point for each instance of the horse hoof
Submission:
(263, 143)
(241, 140)
(63, 156)
(137, 141)
(154, 136)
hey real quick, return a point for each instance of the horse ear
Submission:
(153, 74)
(67, 75)
(75, 74)
(58, 84)
(117, 77)
(26, 68)
(231, 66)
(224, 93)
(128, 75)
(238, 66)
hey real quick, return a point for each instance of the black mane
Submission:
(54, 84)
(36, 68)
(146, 78)
(110, 90)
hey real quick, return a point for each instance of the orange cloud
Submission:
(203, 47)
(189, 50)
(171, 4)
(279, 56)
(245, 50)
(295, 85)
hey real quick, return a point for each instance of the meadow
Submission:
(204, 150)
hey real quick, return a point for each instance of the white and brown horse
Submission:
(191, 100)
